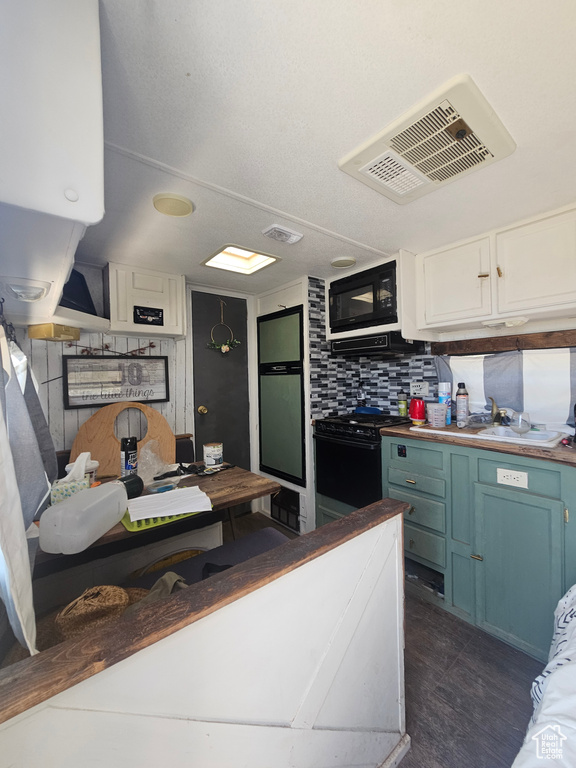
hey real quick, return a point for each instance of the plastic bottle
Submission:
(462, 400)
(445, 396)
(73, 524)
(360, 398)
(402, 404)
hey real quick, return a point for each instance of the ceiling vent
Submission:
(448, 135)
(282, 234)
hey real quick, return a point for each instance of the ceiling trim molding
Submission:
(240, 198)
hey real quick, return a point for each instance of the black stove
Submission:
(361, 426)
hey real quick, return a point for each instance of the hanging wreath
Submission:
(231, 342)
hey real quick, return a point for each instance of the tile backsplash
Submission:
(335, 381)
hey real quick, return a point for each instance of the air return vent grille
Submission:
(452, 133)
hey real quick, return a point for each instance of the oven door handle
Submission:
(349, 443)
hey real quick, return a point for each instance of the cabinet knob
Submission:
(411, 543)
(412, 482)
(202, 409)
(484, 274)
(477, 557)
(411, 510)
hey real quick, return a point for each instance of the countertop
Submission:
(452, 436)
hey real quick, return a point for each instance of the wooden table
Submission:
(226, 489)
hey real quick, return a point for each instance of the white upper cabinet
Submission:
(536, 266)
(456, 283)
(523, 275)
(290, 295)
(51, 153)
(143, 302)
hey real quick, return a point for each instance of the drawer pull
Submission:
(484, 274)
(412, 482)
(411, 543)
(477, 557)
(411, 510)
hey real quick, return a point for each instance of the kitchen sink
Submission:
(542, 439)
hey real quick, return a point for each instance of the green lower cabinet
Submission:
(519, 537)
(425, 545)
(506, 554)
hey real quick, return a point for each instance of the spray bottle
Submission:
(462, 401)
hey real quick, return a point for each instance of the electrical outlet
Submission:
(419, 388)
(509, 477)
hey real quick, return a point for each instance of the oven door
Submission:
(348, 471)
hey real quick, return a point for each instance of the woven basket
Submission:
(94, 607)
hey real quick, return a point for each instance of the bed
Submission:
(551, 734)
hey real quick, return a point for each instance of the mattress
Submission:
(551, 735)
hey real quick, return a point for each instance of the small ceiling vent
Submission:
(282, 234)
(450, 134)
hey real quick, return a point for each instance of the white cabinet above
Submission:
(457, 283)
(51, 153)
(144, 302)
(290, 295)
(522, 277)
(536, 266)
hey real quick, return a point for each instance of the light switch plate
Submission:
(510, 477)
(418, 388)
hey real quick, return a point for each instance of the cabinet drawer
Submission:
(426, 512)
(408, 454)
(406, 479)
(426, 545)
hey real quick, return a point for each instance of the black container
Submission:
(134, 485)
(128, 456)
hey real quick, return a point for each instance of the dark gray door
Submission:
(221, 378)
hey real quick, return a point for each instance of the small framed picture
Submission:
(90, 382)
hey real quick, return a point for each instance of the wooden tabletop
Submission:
(225, 489)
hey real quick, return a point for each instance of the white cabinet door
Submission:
(275, 301)
(143, 302)
(456, 283)
(536, 266)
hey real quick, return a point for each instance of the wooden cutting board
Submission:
(97, 436)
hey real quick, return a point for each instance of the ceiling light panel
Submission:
(235, 259)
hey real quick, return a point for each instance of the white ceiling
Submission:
(246, 107)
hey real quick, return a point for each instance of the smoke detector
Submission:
(448, 135)
(343, 262)
(282, 234)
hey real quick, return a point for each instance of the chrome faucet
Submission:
(499, 415)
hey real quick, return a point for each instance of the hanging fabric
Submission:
(15, 569)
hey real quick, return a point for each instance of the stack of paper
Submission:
(180, 501)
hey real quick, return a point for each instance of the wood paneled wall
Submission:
(46, 360)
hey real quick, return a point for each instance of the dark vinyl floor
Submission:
(467, 694)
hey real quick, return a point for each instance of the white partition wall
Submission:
(305, 671)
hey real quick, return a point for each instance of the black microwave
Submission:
(363, 300)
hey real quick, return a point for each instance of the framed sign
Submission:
(90, 382)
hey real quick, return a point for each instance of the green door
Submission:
(281, 394)
(519, 537)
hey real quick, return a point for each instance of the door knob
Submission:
(202, 409)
